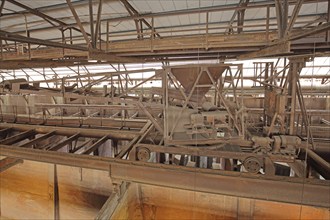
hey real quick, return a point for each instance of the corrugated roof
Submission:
(115, 9)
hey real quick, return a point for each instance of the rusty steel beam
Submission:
(37, 13)
(281, 189)
(237, 14)
(15, 37)
(293, 16)
(9, 162)
(311, 31)
(46, 17)
(98, 23)
(91, 21)
(92, 133)
(4, 132)
(134, 13)
(1, 6)
(36, 140)
(126, 149)
(109, 206)
(74, 121)
(95, 146)
(18, 137)
(62, 143)
(14, 64)
(113, 58)
(277, 49)
(327, 37)
(321, 165)
(229, 7)
(76, 16)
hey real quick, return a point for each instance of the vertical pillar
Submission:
(56, 196)
(293, 94)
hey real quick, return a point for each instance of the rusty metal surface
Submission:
(8, 162)
(282, 189)
(188, 75)
(88, 132)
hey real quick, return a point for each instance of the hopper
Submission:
(187, 76)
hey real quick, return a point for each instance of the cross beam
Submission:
(282, 189)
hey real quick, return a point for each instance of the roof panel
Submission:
(315, 8)
(155, 6)
(197, 18)
(41, 3)
(167, 5)
(255, 13)
(9, 8)
(180, 5)
(141, 6)
(115, 9)
(162, 21)
(207, 3)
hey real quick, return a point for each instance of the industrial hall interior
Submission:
(165, 109)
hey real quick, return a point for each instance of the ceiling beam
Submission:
(327, 38)
(293, 17)
(278, 49)
(15, 37)
(321, 18)
(281, 7)
(98, 24)
(102, 56)
(218, 8)
(311, 31)
(1, 6)
(134, 13)
(91, 20)
(83, 2)
(37, 13)
(81, 28)
(19, 64)
(236, 12)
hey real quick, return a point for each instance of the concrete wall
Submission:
(27, 191)
(152, 202)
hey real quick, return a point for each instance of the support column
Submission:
(295, 67)
(292, 93)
